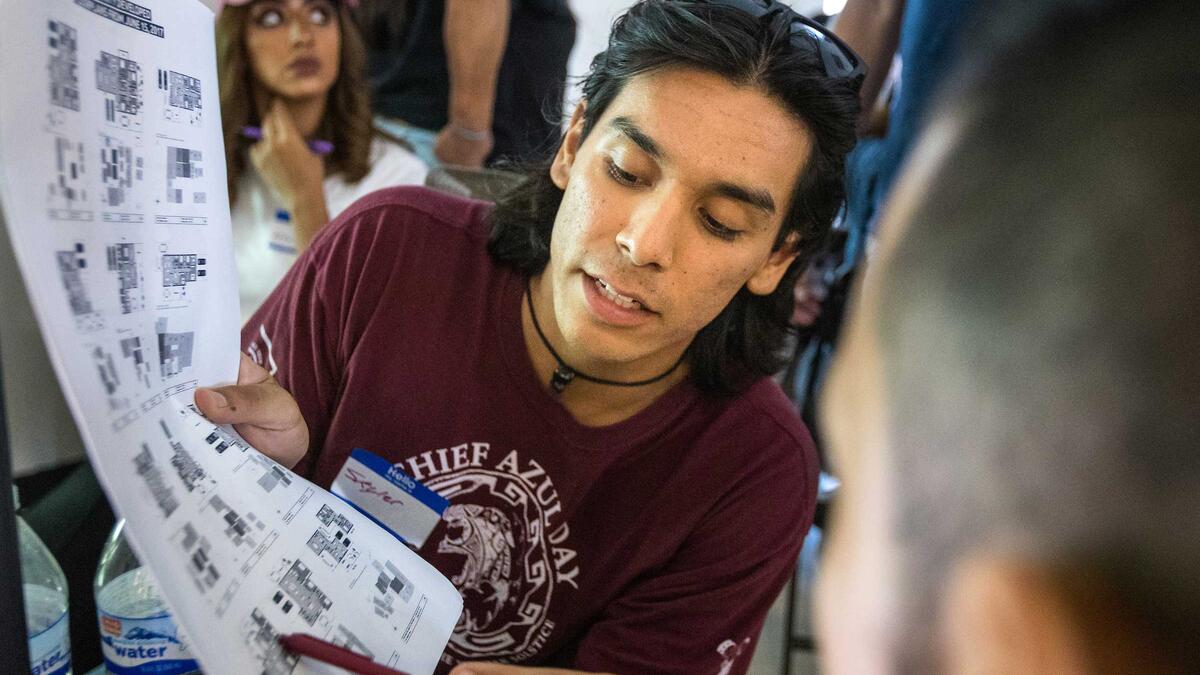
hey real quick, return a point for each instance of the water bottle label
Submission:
(50, 650)
(149, 645)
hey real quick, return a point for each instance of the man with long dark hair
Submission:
(583, 370)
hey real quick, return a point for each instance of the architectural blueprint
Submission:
(112, 183)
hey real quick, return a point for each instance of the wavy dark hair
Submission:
(347, 120)
(745, 341)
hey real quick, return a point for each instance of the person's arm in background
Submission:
(872, 29)
(475, 33)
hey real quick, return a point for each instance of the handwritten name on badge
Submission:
(396, 501)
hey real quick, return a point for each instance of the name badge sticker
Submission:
(386, 494)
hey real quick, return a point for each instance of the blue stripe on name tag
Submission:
(396, 476)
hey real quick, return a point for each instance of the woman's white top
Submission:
(263, 240)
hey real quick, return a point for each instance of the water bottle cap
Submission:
(283, 216)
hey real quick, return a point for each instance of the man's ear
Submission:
(766, 278)
(564, 159)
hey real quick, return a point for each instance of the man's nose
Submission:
(651, 235)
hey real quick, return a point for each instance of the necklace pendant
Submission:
(561, 377)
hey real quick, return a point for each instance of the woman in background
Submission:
(299, 141)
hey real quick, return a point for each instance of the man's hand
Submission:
(283, 159)
(261, 411)
(498, 669)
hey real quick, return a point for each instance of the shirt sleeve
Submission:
(306, 330)
(703, 611)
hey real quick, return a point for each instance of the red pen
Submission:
(334, 655)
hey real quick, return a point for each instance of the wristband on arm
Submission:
(472, 135)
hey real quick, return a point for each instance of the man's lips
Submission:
(620, 296)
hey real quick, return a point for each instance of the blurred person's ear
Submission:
(1002, 615)
(564, 159)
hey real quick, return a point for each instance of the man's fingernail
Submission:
(218, 398)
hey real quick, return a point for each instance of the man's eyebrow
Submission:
(639, 137)
(756, 197)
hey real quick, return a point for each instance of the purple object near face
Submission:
(317, 145)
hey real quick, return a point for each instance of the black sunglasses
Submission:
(840, 61)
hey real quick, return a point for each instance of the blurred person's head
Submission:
(300, 51)
(702, 167)
(1015, 411)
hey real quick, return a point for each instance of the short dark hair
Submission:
(1037, 323)
(745, 340)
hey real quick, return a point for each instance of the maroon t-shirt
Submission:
(655, 545)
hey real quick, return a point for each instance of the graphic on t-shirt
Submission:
(730, 651)
(119, 78)
(64, 65)
(181, 97)
(503, 544)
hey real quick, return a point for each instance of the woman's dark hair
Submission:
(347, 121)
(746, 339)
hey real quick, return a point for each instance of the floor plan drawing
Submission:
(119, 78)
(182, 101)
(114, 198)
(71, 264)
(184, 169)
(64, 66)
(124, 260)
(174, 350)
(67, 192)
(120, 166)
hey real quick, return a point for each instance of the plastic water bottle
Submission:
(45, 604)
(137, 633)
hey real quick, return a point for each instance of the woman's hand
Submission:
(293, 171)
(285, 162)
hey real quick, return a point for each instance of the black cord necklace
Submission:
(564, 374)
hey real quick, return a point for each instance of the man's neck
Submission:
(591, 404)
